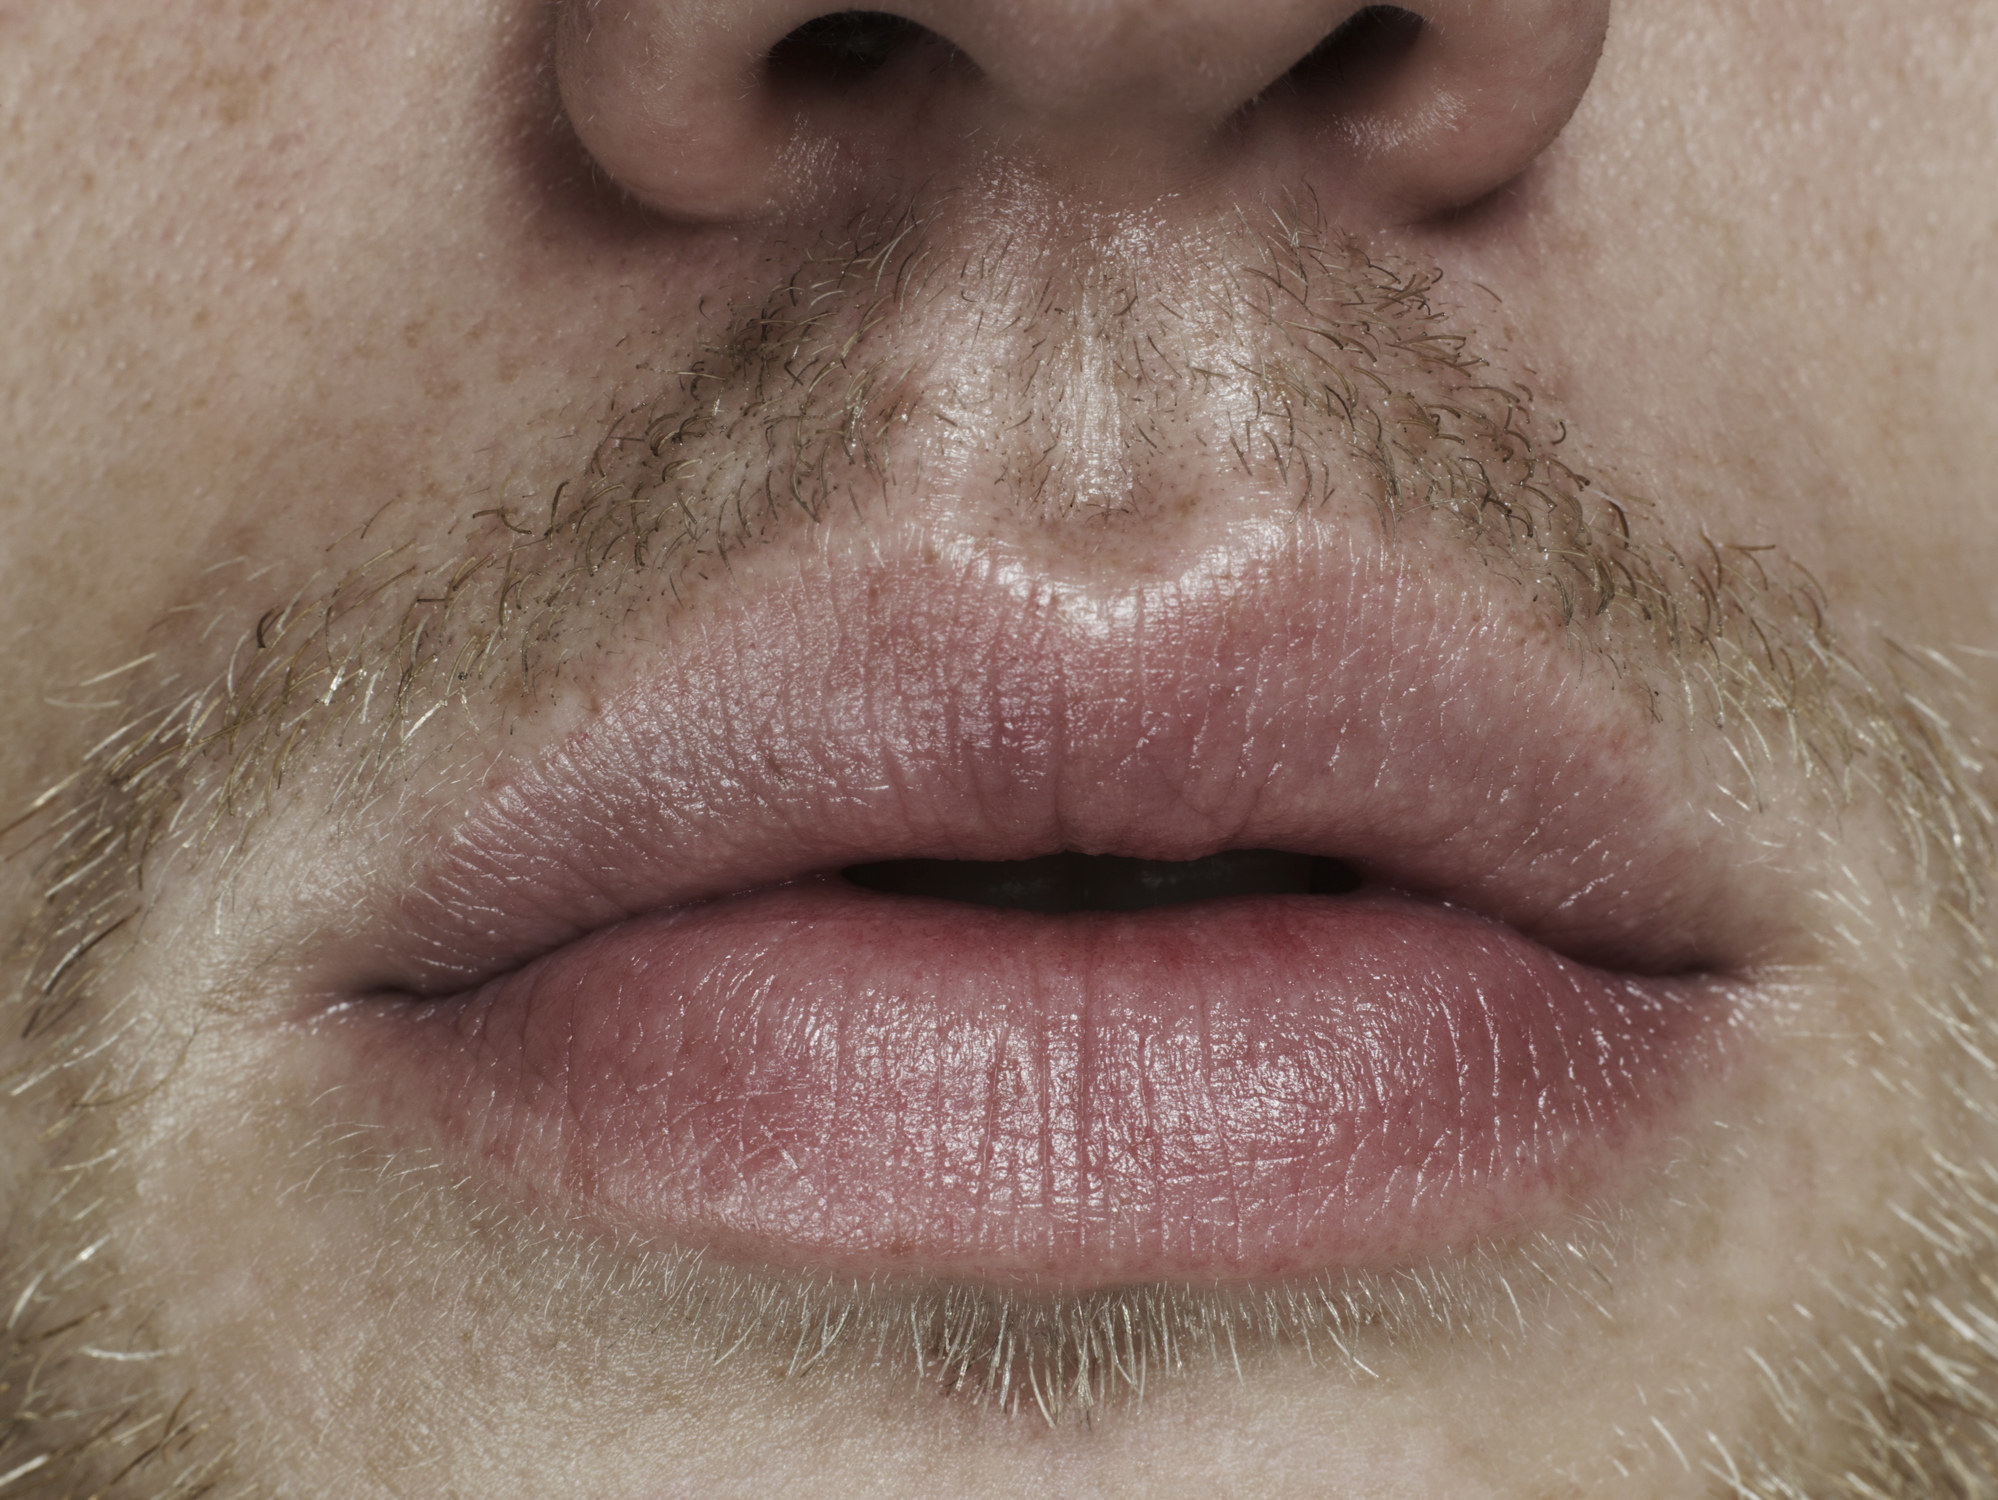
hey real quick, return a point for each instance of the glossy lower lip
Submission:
(623, 987)
(1236, 1089)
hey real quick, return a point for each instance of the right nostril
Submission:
(1365, 47)
(849, 44)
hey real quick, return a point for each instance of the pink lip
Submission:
(1238, 1089)
(629, 986)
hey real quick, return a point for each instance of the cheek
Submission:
(226, 263)
(1772, 299)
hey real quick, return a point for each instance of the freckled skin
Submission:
(350, 406)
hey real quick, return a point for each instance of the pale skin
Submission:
(272, 271)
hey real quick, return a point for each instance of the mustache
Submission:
(1068, 389)
(1097, 379)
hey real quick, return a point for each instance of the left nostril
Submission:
(844, 46)
(1364, 48)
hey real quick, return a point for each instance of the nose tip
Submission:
(720, 110)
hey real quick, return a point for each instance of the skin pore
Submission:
(361, 446)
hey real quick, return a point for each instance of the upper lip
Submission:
(1322, 691)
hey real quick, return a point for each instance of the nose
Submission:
(721, 110)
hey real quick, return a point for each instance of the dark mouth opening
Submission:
(1107, 882)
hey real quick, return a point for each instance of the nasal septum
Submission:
(1071, 882)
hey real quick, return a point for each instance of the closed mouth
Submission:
(1320, 935)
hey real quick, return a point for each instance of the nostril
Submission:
(845, 46)
(1365, 47)
(706, 111)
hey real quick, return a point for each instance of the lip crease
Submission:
(631, 985)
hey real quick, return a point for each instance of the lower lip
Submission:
(818, 1075)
